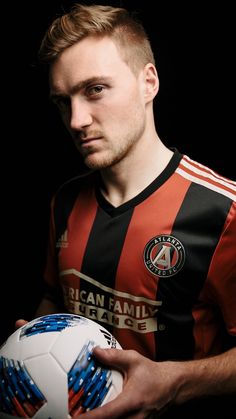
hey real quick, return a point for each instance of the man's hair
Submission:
(99, 21)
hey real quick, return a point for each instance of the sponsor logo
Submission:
(164, 255)
(62, 241)
(104, 304)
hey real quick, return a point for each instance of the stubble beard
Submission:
(103, 159)
(111, 157)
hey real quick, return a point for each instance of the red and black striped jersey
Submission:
(159, 271)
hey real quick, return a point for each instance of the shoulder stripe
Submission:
(210, 176)
(206, 183)
(195, 165)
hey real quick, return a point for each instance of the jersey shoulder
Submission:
(72, 187)
(206, 177)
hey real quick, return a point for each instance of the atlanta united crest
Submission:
(164, 255)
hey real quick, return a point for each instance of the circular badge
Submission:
(164, 255)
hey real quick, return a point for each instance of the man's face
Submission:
(100, 99)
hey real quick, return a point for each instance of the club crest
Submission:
(164, 255)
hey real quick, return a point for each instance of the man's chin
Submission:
(95, 163)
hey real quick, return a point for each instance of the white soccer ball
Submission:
(48, 371)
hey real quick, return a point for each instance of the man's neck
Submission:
(133, 174)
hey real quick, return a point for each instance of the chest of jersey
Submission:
(141, 268)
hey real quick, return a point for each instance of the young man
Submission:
(145, 242)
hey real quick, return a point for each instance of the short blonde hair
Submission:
(97, 20)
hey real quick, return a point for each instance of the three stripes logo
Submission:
(62, 241)
(109, 338)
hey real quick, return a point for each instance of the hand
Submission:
(20, 322)
(148, 386)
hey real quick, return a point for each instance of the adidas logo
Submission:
(62, 241)
(109, 338)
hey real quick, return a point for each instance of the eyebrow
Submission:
(79, 86)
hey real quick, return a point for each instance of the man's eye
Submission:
(95, 90)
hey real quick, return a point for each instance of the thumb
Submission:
(116, 358)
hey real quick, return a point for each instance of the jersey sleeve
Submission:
(222, 272)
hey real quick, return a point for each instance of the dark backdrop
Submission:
(193, 113)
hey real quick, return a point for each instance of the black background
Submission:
(194, 49)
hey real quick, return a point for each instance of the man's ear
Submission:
(151, 82)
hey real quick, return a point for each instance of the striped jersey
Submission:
(159, 271)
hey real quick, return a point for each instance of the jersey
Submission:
(159, 271)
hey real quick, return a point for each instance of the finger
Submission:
(116, 409)
(116, 358)
(120, 406)
(20, 322)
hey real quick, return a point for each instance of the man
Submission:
(145, 242)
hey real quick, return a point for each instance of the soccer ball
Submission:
(48, 371)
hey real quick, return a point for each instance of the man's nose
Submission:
(80, 116)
